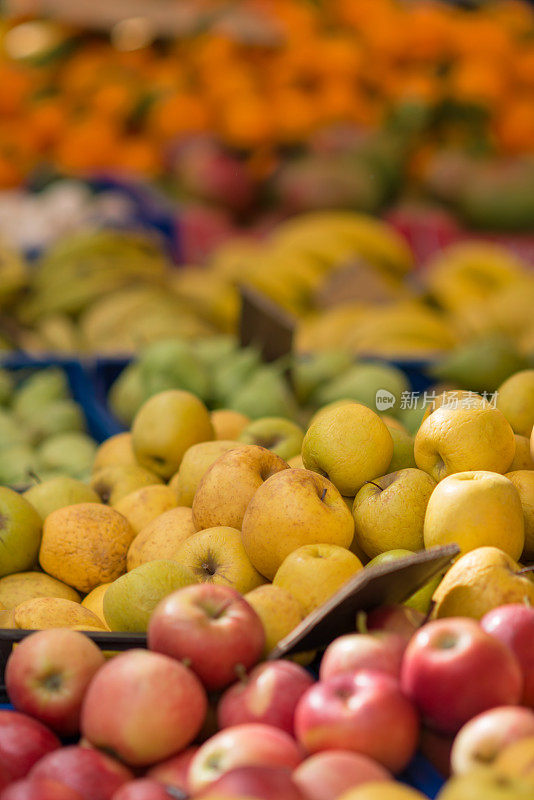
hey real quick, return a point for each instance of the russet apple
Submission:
(364, 712)
(453, 670)
(293, 508)
(93, 774)
(389, 512)
(379, 651)
(242, 745)
(268, 694)
(23, 742)
(479, 741)
(212, 627)
(142, 789)
(40, 789)
(144, 707)
(195, 463)
(174, 770)
(229, 484)
(259, 782)
(47, 676)
(513, 624)
(326, 775)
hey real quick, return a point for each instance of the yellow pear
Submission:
(476, 509)
(479, 581)
(162, 538)
(389, 512)
(314, 572)
(217, 555)
(292, 508)
(515, 398)
(296, 462)
(229, 484)
(117, 451)
(195, 463)
(115, 482)
(53, 612)
(228, 424)
(522, 458)
(463, 439)
(523, 481)
(349, 444)
(85, 545)
(382, 790)
(143, 505)
(166, 426)
(21, 586)
(94, 601)
(280, 614)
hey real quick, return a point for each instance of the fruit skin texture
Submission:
(380, 652)
(20, 529)
(58, 492)
(23, 742)
(161, 538)
(141, 789)
(40, 789)
(315, 572)
(54, 612)
(165, 427)
(513, 624)
(212, 627)
(515, 400)
(523, 480)
(479, 741)
(326, 775)
(476, 509)
(47, 676)
(259, 782)
(363, 711)
(144, 707)
(269, 694)
(453, 670)
(194, 465)
(85, 545)
(464, 439)
(350, 444)
(93, 774)
(253, 744)
(293, 508)
(145, 504)
(278, 610)
(21, 586)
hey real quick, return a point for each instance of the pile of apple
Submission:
(196, 715)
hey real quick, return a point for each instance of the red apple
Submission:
(453, 670)
(142, 789)
(380, 652)
(47, 676)
(23, 742)
(395, 619)
(269, 694)
(513, 624)
(212, 628)
(262, 782)
(436, 748)
(40, 789)
(174, 771)
(143, 707)
(364, 712)
(326, 776)
(93, 774)
(254, 745)
(481, 739)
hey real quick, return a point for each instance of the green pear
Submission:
(215, 349)
(11, 431)
(280, 435)
(16, 465)
(362, 383)
(412, 415)
(481, 365)
(72, 452)
(59, 492)
(39, 389)
(20, 532)
(422, 598)
(313, 370)
(403, 456)
(60, 416)
(172, 364)
(233, 372)
(264, 394)
(127, 394)
(7, 387)
(485, 783)
(131, 599)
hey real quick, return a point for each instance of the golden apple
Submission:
(522, 458)
(115, 482)
(145, 504)
(228, 424)
(523, 481)
(195, 463)
(161, 538)
(280, 614)
(515, 398)
(115, 451)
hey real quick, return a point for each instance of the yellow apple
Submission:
(522, 458)
(296, 462)
(94, 601)
(453, 398)
(161, 538)
(293, 508)
(195, 463)
(389, 512)
(314, 572)
(228, 485)
(280, 614)
(145, 504)
(115, 451)
(115, 482)
(349, 444)
(228, 424)
(465, 438)
(166, 426)
(515, 398)
(475, 509)
(217, 555)
(523, 481)
(383, 790)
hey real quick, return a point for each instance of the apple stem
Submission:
(33, 476)
(361, 622)
(186, 662)
(323, 495)
(241, 673)
(375, 484)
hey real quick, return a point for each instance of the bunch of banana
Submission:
(14, 275)
(211, 297)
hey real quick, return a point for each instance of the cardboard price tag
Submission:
(383, 584)
(265, 324)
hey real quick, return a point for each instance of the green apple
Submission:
(313, 370)
(403, 456)
(422, 598)
(127, 394)
(72, 452)
(412, 416)
(39, 389)
(362, 383)
(59, 416)
(20, 532)
(280, 435)
(172, 364)
(59, 492)
(16, 465)
(264, 394)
